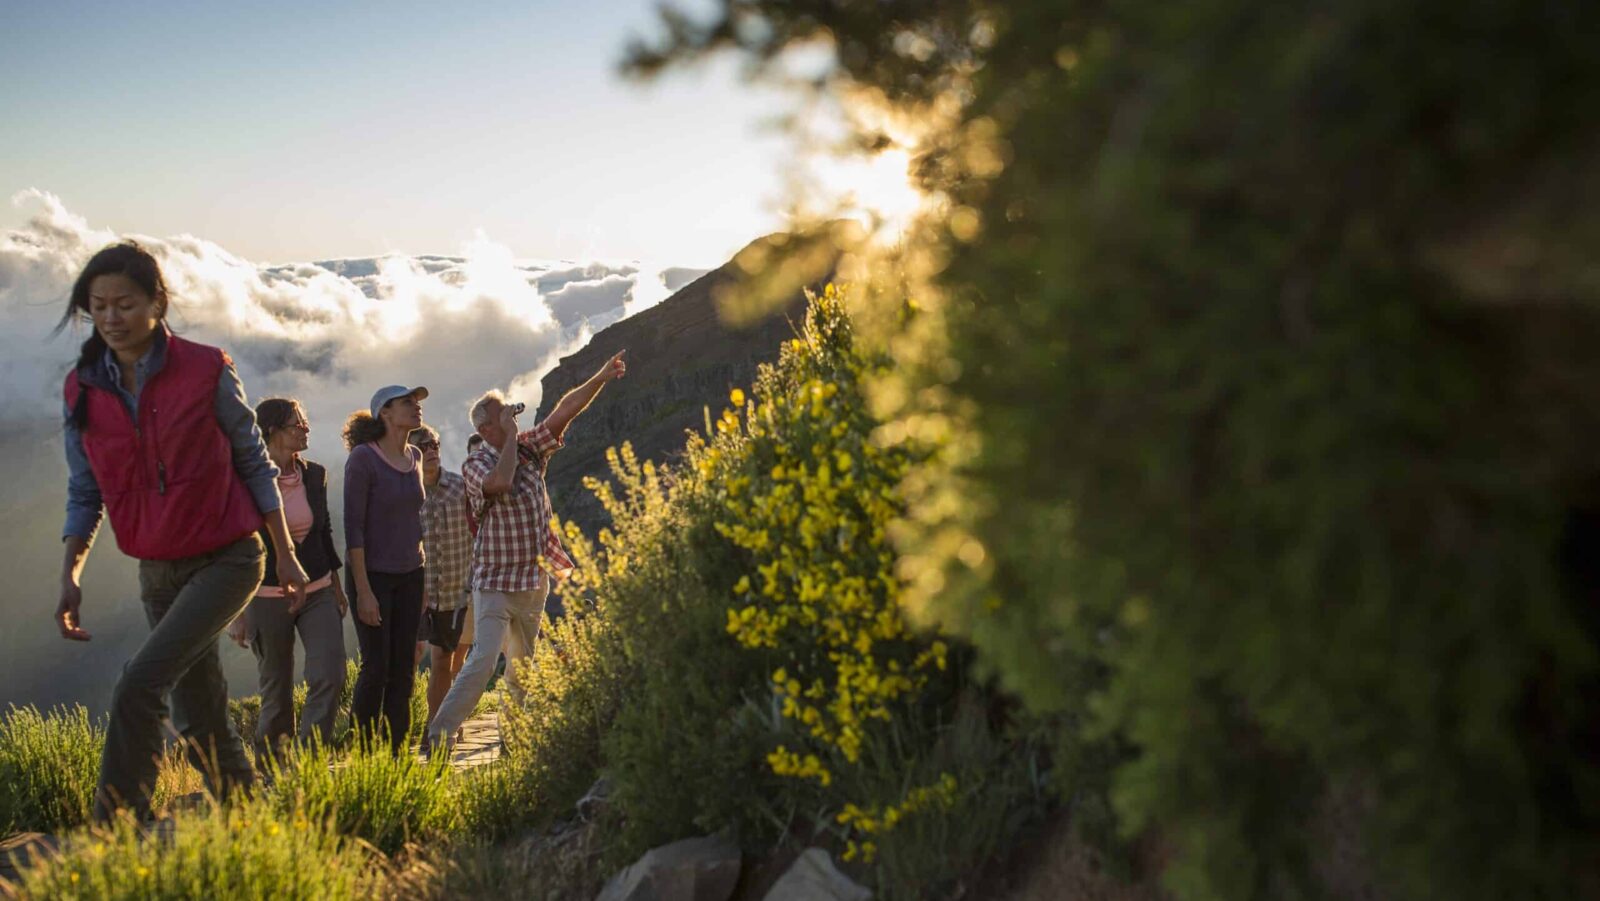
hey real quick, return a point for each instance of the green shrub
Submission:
(551, 742)
(774, 690)
(543, 868)
(49, 763)
(1259, 347)
(245, 713)
(976, 790)
(498, 801)
(677, 765)
(248, 851)
(382, 799)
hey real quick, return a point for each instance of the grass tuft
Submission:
(387, 801)
(48, 766)
(249, 852)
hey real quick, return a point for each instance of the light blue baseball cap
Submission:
(390, 392)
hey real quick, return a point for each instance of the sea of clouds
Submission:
(328, 333)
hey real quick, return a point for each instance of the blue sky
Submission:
(294, 131)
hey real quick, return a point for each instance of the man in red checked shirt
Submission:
(516, 553)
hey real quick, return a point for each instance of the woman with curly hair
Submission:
(383, 497)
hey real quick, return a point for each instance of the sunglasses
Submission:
(428, 445)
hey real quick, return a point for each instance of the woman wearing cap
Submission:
(269, 624)
(383, 537)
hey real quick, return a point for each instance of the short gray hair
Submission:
(480, 407)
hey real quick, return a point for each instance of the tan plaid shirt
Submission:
(515, 539)
(447, 543)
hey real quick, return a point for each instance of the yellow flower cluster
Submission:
(878, 820)
(785, 762)
(814, 522)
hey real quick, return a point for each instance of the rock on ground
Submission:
(695, 869)
(813, 877)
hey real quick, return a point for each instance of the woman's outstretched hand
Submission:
(67, 612)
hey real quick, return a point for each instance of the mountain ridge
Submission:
(683, 357)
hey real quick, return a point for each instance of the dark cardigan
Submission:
(316, 551)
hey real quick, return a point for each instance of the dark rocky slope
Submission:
(682, 358)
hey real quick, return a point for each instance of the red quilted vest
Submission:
(169, 485)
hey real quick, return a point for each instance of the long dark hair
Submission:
(125, 258)
(276, 413)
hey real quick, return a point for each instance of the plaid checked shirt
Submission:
(447, 543)
(514, 539)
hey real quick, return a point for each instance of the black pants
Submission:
(381, 704)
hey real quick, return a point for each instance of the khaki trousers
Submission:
(500, 617)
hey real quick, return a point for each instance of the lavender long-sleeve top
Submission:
(382, 507)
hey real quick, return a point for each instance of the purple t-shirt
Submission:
(381, 509)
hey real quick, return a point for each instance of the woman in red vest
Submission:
(159, 436)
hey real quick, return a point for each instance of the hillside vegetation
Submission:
(735, 661)
(1257, 350)
(1209, 478)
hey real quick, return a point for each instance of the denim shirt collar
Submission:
(148, 365)
(109, 373)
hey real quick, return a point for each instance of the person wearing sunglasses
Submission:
(268, 626)
(446, 595)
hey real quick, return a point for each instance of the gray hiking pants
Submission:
(188, 603)
(272, 630)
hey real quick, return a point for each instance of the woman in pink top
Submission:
(269, 624)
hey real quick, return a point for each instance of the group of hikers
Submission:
(230, 525)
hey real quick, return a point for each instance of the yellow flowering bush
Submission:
(769, 686)
(808, 497)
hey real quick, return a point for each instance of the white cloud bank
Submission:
(328, 333)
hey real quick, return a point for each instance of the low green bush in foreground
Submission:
(385, 800)
(48, 766)
(246, 711)
(240, 853)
